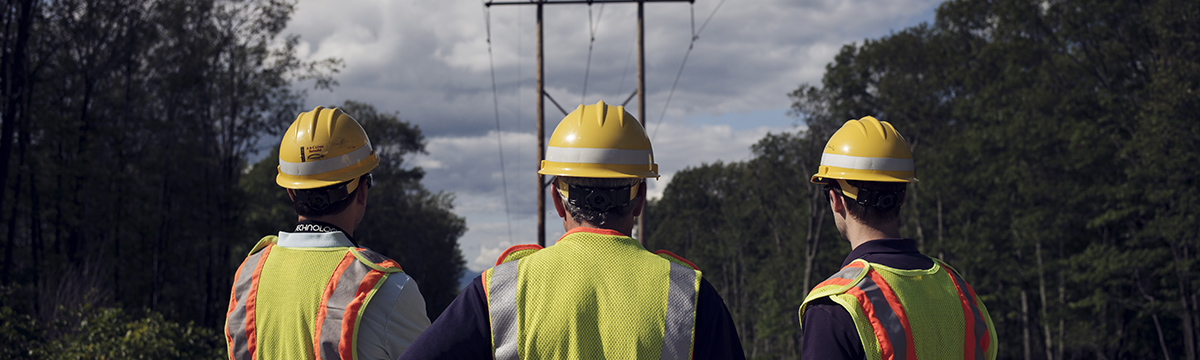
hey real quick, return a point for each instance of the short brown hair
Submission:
(891, 193)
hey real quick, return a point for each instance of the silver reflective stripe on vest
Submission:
(887, 317)
(681, 313)
(848, 273)
(980, 328)
(329, 335)
(239, 346)
(502, 305)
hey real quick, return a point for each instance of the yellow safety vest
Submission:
(594, 294)
(911, 314)
(304, 303)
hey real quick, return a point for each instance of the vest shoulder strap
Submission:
(262, 243)
(843, 280)
(676, 259)
(516, 252)
(376, 260)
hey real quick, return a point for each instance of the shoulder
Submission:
(676, 259)
(846, 278)
(516, 252)
(392, 319)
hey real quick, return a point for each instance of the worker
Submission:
(596, 293)
(314, 293)
(889, 301)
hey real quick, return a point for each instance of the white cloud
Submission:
(429, 61)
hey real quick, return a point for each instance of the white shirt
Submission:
(394, 316)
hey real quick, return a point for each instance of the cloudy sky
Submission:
(431, 62)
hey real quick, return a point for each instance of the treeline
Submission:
(127, 132)
(1057, 148)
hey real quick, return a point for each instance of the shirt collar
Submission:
(311, 226)
(595, 231)
(315, 234)
(882, 246)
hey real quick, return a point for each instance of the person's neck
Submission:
(858, 233)
(624, 225)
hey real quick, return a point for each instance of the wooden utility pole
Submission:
(541, 119)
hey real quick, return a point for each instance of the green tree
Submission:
(1050, 154)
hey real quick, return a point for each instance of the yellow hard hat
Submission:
(324, 147)
(599, 141)
(868, 150)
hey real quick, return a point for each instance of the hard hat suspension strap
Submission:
(882, 199)
(320, 198)
(599, 199)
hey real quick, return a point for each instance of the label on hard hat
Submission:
(315, 152)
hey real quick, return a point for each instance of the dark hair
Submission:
(580, 212)
(324, 201)
(873, 214)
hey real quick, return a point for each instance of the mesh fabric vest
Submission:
(302, 303)
(594, 294)
(911, 314)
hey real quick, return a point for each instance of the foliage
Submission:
(110, 333)
(1057, 165)
(126, 132)
(106, 333)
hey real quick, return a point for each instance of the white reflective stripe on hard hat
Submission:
(866, 163)
(502, 306)
(681, 313)
(325, 165)
(598, 156)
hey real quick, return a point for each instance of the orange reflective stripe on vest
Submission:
(843, 277)
(873, 295)
(337, 315)
(977, 339)
(886, 316)
(239, 329)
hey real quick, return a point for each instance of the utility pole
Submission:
(541, 119)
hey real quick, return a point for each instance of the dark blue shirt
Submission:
(829, 331)
(463, 330)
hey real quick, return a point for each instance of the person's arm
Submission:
(716, 337)
(463, 331)
(392, 320)
(829, 333)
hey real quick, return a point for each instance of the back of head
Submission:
(599, 155)
(322, 156)
(870, 164)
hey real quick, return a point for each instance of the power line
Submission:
(496, 107)
(679, 74)
(593, 26)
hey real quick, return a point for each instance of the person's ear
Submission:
(837, 203)
(641, 199)
(558, 204)
(360, 195)
(291, 195)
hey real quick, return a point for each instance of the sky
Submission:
(465, 74)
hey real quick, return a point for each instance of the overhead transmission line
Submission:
(487, 19)
(592, 27)
(691, 45)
